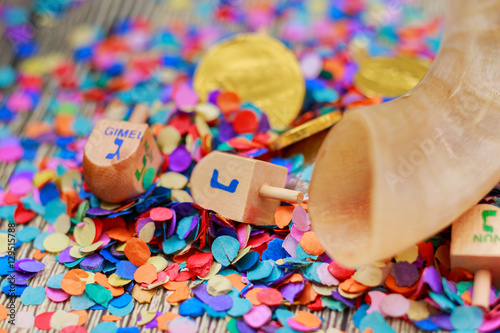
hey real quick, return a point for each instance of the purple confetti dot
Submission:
(179, 159)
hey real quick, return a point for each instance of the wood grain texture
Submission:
(53, 38)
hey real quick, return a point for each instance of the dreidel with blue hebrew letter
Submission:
(475, 246)
(121, 157)
(241, 189)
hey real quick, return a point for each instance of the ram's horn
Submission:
(391, 175)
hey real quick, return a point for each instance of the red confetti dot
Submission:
(270, 296)
(245, 122)
(161, 214)
(182, 123)
(23, 215)
(200, 263)
(42, 321)
(74, 329)
(340, 272)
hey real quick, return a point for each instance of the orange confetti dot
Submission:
(145, 274)
(72, 283)
(137, 251)
(251, 295)
(310, 243)
(110, 318)
(83, 316)
(307, 319)
(174, 285)
(3, 312)
(38, 255)
(102, 280)
(120, 234)
(179, 295)
(236, 281)
(308, 295)
(2, 330)
(390, 283)
(283, 216)
(228, 101)
(165, 319)
(352, 286)
(64, 125)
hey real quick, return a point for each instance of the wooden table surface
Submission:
(53, 39)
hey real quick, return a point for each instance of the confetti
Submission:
(225, 249)
(33, 295)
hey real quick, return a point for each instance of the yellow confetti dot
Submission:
(202, 126)
(61, 319)
(173, 180)
(181, 196)
(117, 281)
(368, 275)
(419, 310)
(146, 317)
(409, 255)
(219, 285)
(85, 232)
(56, 242)
(3, 242)
(208, 111)
(168, 139)
(91, 248)
(62, 224)
(43, 177)
(141, 295)
(75, 252)
(159, 262)
(323, 290)
(147, 232)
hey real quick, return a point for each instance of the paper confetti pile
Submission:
(120, 255)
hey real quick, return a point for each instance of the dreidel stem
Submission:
(140, 114)
(282, 194)
(481, 289)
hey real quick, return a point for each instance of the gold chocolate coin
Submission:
(260, 69)
(306, 130)
(390, 77)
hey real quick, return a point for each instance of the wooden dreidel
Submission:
(121, 157)
(475, 246)
(240, 188)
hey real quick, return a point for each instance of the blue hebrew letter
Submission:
(214, 182)
(110, 156)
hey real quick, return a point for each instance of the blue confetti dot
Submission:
(55, 281)
(173, 244)
(225, 249)
(33, 295)
(248, 261)
(261, 271)
(466, 318)
(121, 312)
(27, 234)
(192, 307)
(121, 301)
(105, 327)
(125, 269)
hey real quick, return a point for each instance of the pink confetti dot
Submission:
(185, 97)
(20, 102)
(258, 316)
(21, 186)
(11, 153)
(394, 305)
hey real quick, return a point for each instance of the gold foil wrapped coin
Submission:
(389, 77)
(260, 69)
(306, 130)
